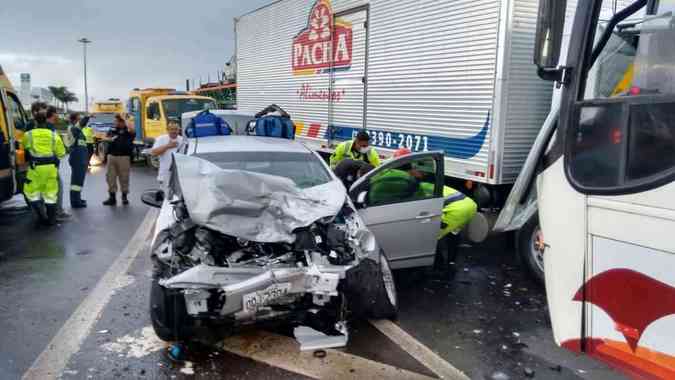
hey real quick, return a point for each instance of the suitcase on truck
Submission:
(278, 125)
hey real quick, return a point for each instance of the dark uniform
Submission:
(79, 162)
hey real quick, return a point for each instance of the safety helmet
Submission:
(401, 152)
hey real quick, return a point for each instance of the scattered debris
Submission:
(499, 375)
(188, 369)
(505, 347)
(311, 339)
(529, 372)
(103, 331)
(136, 345)
(557, 368)
(516, 334)
(70, 372)
(477, 331)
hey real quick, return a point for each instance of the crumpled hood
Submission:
(252, 206)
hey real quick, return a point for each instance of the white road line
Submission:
(67, 341)
(284, 352)
(417, 350)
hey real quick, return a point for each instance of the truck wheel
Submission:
(168, 313)
(371, 291)
(527, 245)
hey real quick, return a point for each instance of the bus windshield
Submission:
(174, 108)
(103, 118)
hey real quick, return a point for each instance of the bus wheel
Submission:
(531, 250)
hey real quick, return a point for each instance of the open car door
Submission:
(401, 202)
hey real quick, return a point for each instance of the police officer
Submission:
(458, 210)
(357, 149)
(43, 149)
(78, 161)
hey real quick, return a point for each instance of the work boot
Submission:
(76, 200)
(111, 201)
(51, 214)
(125, 200)
(39, 212)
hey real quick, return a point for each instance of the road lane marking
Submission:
(53, 360)
(284, 352)
(419, 351)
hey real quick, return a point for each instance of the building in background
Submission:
(24, 89)
(41, 94)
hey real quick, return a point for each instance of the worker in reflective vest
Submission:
(43, 148)
(357, 149)
(88, 137)
(458, 210)
(78, 161)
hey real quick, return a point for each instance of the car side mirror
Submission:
(153, 198)
(548, 40)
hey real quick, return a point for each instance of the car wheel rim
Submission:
(535, 251)
(388, 279)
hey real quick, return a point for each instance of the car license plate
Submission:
(255, 300)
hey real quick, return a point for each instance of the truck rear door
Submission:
(348, 72)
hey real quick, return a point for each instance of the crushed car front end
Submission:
(248, 249)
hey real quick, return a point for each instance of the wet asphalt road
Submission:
(486, 319)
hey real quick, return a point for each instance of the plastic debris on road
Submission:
(311, 339)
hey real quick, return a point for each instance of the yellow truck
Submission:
(102, 118)
(150, 110)
(13, 122)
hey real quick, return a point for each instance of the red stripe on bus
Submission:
(313, 130)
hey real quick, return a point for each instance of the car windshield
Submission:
(175, 108)
(304, 169)
(105, 118)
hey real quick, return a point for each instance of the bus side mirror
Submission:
(548, 40)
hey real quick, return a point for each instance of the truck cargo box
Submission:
(454, 75)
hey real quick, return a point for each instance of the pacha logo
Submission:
(324, 45)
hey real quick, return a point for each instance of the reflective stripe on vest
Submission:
(458, 196)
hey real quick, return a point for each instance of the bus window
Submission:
(16, 112)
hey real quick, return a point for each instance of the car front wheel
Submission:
(371, 291)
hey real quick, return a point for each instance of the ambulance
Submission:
(13, 122)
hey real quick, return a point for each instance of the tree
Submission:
(69, 97)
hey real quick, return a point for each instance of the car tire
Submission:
(152, 161)
(168, 313)
(530, 257)
(371, 291)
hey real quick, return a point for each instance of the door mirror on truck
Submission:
(548, 40)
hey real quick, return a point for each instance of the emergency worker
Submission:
(357, 149)
(458, 210)
(88, 137)
(78, 161)
(43, 148)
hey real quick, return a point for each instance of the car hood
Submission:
(252, 206)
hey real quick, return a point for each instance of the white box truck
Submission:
(450, 75)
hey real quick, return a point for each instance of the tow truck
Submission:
(102, 119)
(150, 109)
(13, 120)
(604, 166)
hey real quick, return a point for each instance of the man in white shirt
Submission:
(164, 147)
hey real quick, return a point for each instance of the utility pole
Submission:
(84, 42)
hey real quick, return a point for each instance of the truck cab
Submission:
(13, 122)
(151, 109)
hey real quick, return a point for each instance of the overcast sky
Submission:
(136, 43)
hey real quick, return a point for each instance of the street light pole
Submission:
(84, 42)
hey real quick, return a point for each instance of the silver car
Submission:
(259, 230)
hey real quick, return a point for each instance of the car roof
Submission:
(215, 144)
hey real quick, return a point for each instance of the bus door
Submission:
(607, 208)
(13, 122)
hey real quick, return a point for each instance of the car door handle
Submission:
(426, 215)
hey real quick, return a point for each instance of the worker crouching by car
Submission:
(458, 210)
(357, 149)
